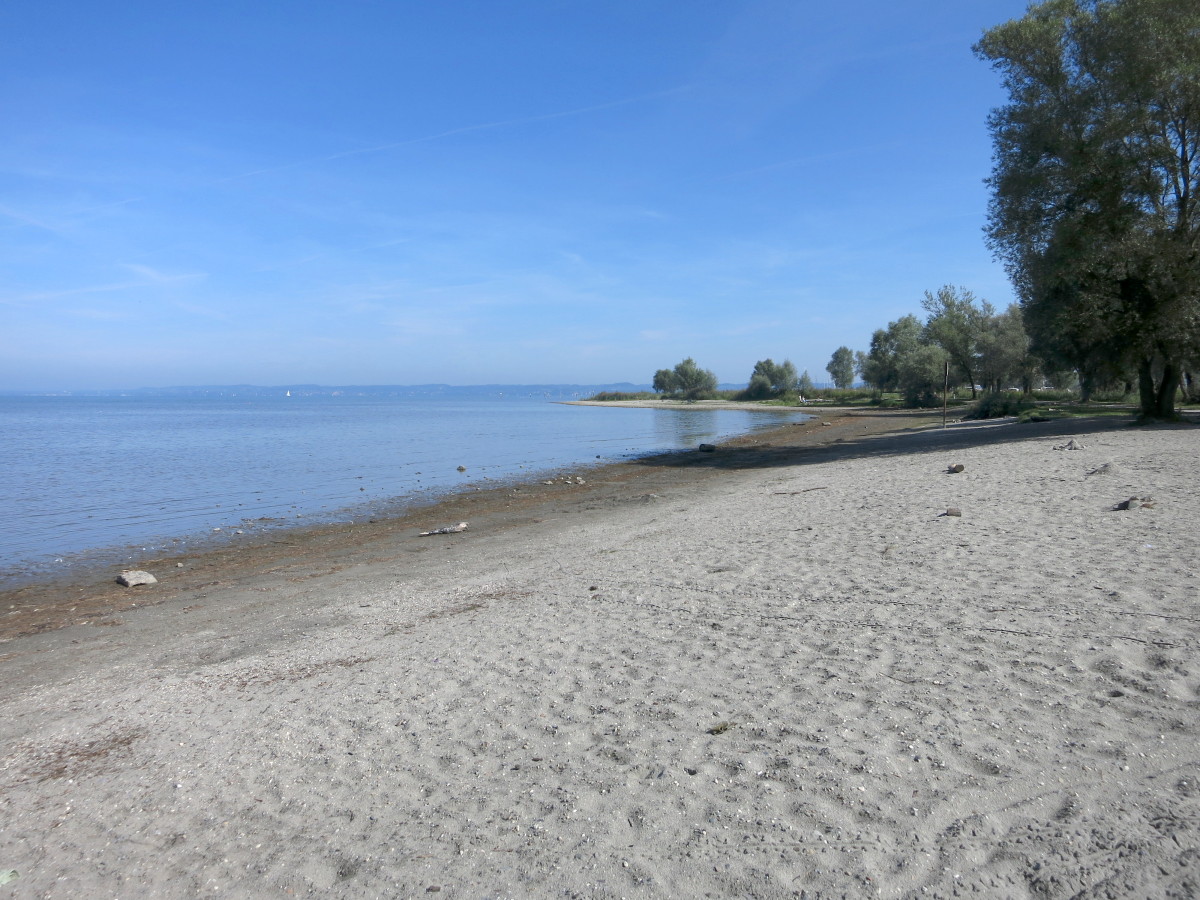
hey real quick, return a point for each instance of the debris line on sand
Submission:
(449, 529)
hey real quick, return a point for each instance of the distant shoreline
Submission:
(745, 405)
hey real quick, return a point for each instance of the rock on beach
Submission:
(134, 577)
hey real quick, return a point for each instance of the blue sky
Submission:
(395, 192)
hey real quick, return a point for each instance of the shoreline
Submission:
(783, 666)
(65, 545)
(744, 405)
(37, 604)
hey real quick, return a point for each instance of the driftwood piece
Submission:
(449, 529)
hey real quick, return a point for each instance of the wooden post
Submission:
(945, 390)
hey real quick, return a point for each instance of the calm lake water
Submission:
(85, 480)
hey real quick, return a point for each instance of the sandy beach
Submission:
(776, 670)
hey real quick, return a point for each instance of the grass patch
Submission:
(610, 396)
(1039, 414)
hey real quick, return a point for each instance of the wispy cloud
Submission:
(653, 335)
(465, 129)
(147, 277)
(103, 206)
(153, 276)
(31, 221)
(98, 315)
(204, 311)
(849, 153)
(324, 254)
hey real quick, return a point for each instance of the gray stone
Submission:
(135, 577)
(1136, 503)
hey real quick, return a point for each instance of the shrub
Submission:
(847, 396)
(758, 389)
(623, 395)
(1054, 395)
(995, 406)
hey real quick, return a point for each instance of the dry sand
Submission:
(770, 671)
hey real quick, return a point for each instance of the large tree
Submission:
(688, 379)
(841, 367)
(778, 378)
(1004, 357)
(1096, 181)
(957, 323)
(665, 381)
(880, 366)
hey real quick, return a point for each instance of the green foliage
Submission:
(1112, 394)
(780, 377)
(758, 389)
(686, 380)
(1095, 208)
(981, 346)
(693, 382)
(1005, 360)
(665, 381)
(998, 405)
(841, 367)
(1053, 396)
(805, 385)
(848, 396)
(880, 366)
(956, 323)
(921, 375)
(610, 396)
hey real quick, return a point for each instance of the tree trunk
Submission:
(970, 376)
(1087, 384)
(1147, 395)
(1165, 399)
(1158, 399)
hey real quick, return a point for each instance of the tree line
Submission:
(769, 379)
(909, 357)
(963, 341)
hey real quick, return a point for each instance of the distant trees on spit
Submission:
(686, 380)
(982, 348)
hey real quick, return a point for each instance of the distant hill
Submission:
(548, 391)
